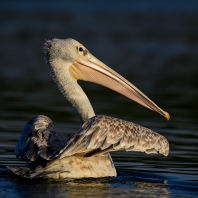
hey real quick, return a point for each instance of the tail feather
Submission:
(22, 171)
(39, 171)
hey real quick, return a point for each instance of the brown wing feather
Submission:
(102, 134)
(39, 139)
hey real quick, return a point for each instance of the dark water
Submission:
(154, 44)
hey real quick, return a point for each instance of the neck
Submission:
(70, 89)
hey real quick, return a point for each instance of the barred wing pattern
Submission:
(102, 134)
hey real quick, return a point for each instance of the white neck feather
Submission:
(70, 88)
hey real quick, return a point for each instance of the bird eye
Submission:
(80, 49)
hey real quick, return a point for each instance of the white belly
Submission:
(76, 167)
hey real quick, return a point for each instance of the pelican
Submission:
(87, 152)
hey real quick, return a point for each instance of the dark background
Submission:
(154, 44)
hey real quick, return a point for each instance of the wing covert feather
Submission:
(102, 134)
(39, 139)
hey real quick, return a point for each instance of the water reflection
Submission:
(127, 184)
